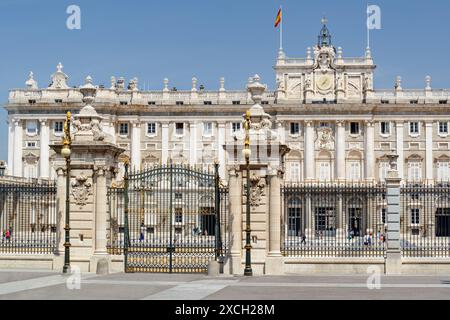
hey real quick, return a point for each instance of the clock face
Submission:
(324, 83)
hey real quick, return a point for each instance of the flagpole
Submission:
(281, 29)
(367, 26)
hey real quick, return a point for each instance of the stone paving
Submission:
(32, 285)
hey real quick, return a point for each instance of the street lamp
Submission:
(247, 153)
(65, 152)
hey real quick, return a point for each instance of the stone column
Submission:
(274, 260)
(399, 150)
(18, 148)
(393, 262)
(165, 142)
(10, 147)
(235, 187)
(340, 150)
(370, 153)
(221, 142)
(193, 143)
(44, 156)
(429, 152)
(310, 170)
(136, 145)
(100, 211)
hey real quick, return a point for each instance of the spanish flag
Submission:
(279, 17)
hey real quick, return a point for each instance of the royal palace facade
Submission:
(324, 108)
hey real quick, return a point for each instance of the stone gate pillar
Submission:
(235, 187)
(393, 263)
(264, 181)
(274, 261)
(93, 163)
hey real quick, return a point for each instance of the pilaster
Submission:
(44, 149)
(18, 147)
(310, 170)
(370, 150)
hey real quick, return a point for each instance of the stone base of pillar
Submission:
(100, 264)
(236, 267)
(274, 266)
(393, 263)
(213, 268)
(58, 262)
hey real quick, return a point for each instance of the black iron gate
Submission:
(171, 219)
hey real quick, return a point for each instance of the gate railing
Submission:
(28, 217)
(425, 221)
(334, 220)
(177, 213)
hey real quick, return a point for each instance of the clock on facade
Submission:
(324, 83)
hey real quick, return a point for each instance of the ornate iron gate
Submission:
(172, 219)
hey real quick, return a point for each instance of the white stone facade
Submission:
(324, 108)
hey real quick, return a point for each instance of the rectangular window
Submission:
(179, 103)
(355, 171)
(236, 126)
(324, 171)
(123, 129)
(443, 172)
(415, 216)
(354, 128)
(236, 102)
(58, 127)
(179, 128)
(295, 128)
(31, 127)
(443, 127)
(414, 128)
(295, 171)
(151, 128)
(178, 215)
(207, 103)
(31, 144)
(324, 124)
(207, 129)
(385, 128)
(414, 171)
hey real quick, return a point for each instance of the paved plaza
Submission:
(32, 285)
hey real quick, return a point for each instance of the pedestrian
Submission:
(8, 235)
(141, 236)
(366, 240)
(303, 239)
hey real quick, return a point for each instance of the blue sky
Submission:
(209, 39)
